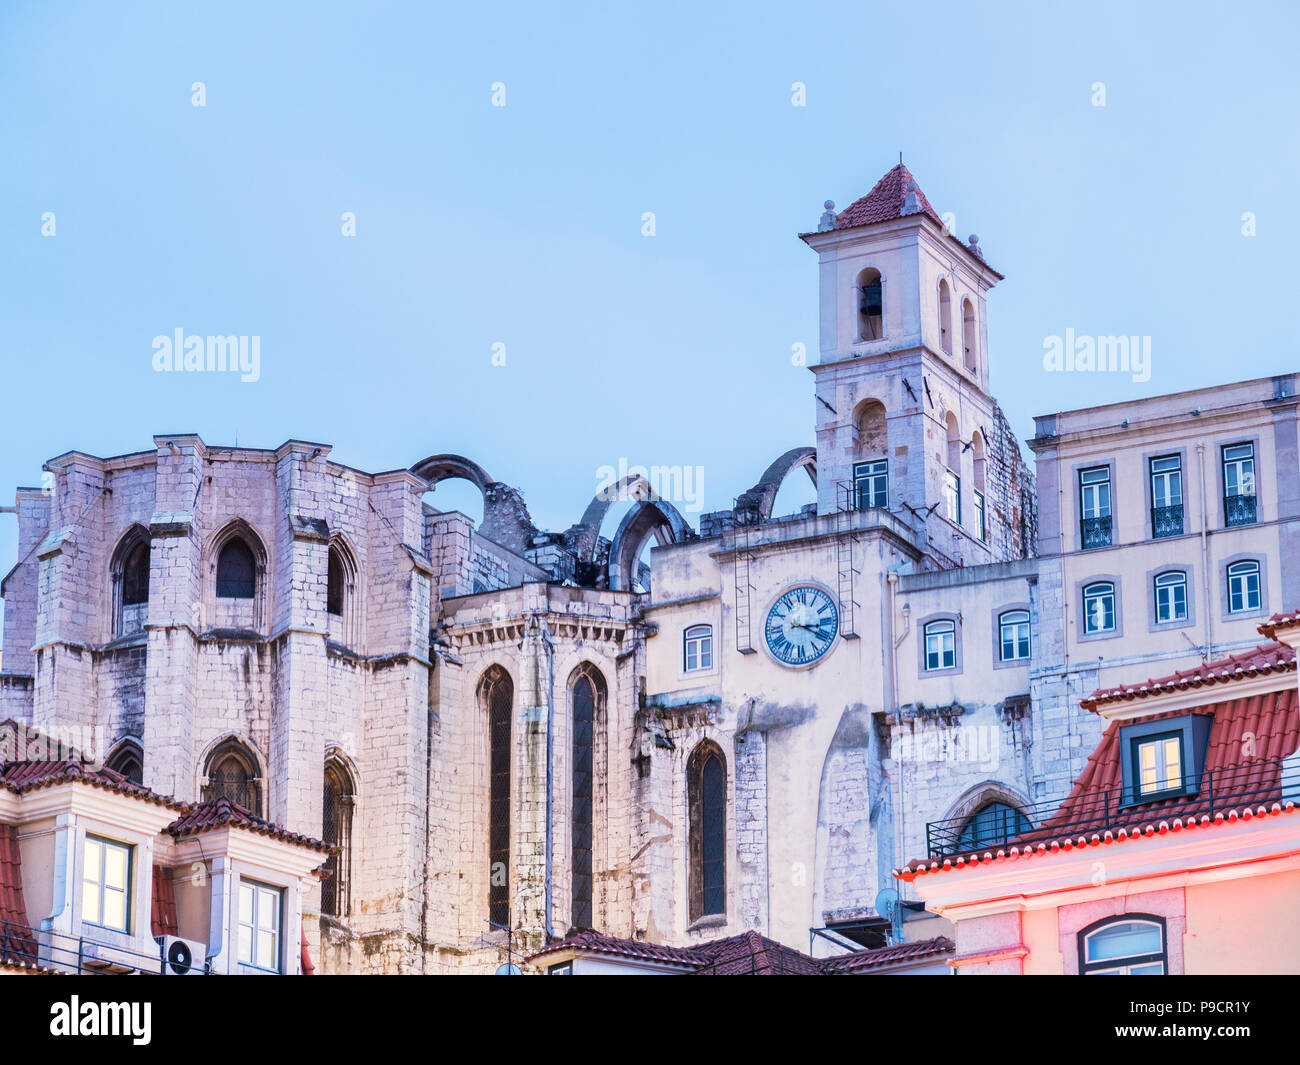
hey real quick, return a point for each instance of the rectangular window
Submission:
(106, 884)
(1099, 608)
(1243, 587)
(871, 484)
(259, 925)
(952, 496)
(698, 648)
(1094, 507)
(1171, 597)
(1166, 496)
(1239, 484)
(981, 520)
(1159, 764)
(940, 645)
(1014, 626)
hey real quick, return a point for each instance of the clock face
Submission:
(801, 625)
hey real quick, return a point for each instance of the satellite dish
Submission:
(509, 969)
(886, 903)
(179, 958)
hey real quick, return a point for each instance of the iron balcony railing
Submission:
(1095, 532)
(1249, 784)
(1239, 510)
(83, 955)
(1167, 521)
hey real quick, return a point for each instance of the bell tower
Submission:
(904, 418)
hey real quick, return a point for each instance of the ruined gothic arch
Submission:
(658, 519)
(756, 504)
(128, 571)
(586, 533)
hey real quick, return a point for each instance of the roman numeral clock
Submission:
(801, 625)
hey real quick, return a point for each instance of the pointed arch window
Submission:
(706, 794)
(336, 830)
(130, 576)
(968, 335)
(588, 694)
(945, 316)
(496, 697)
(128, 760)
(232, 774)
(236, 571)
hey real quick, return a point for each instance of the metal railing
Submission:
(1238, 510)
(43, 948)
(1094, 532)
(1263, 782)
(1167, 521)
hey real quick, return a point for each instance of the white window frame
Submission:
(697, 649)
(248, 949)
(1166, 776)
(96, 880)
(1003, 625)
(1090, 594)
(942, 651)
(952, 496)
(1125, 965)
(874, 475)
(981, 517)
(1166, 585)
(1241, 584)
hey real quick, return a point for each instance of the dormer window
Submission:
(871, 305)
(1163, 759)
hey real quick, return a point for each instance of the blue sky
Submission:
(522, 224)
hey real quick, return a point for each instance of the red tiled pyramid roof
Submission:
(884, 202)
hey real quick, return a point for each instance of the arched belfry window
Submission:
(130, 573)
(945, 316)
(496, 694)
(232, 774)
(128, 759)
(588, 698)
(706, 800)
(968, 334)
(871, 305)
(336, 830)
(236, 571)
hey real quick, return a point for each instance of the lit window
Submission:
(259, 925)
(698, 648)
(1099, 607)
(952, 496)
(1171, 597)
(940, 645)
(1159, 764)
(1014, 629)
(1243, 587)
(106, 884)
(1123, 947)
(871, 484)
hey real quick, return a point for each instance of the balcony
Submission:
(1238, 510)
(46, 949)
(1095, 532)
(1167, 521)
(1264, 782)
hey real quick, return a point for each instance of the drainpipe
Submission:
(549, 644)
(1205, 555)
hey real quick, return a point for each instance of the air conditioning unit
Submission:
(183, 957)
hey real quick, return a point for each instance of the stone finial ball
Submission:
(829, 205)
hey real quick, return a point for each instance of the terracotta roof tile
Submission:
(222, 812)
(1266, 658)
(1277, 622)
(613, 946)
(884, 202)
(28, 776)
(879, 957)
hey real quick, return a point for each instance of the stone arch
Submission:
(585, 535)
(659, 519)
(244, 613)
(127, 758)
(233, 746)
(506, 520)
(756, 504)
(448, 467)
(979, 795)
(129, 565)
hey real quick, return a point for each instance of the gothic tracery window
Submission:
(706, 797)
